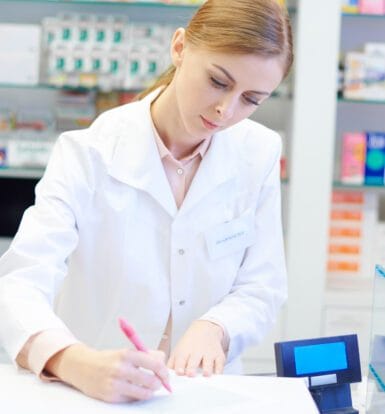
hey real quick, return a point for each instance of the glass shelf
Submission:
(366, 16)
(112, 3)
(376, 379)
(292, 10)
(361, 101)
(32, 173)
(65, 87)
(343, 186)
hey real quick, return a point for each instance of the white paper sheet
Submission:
(23, 393)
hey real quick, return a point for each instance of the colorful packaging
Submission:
(350, 6)
(355, 75)
(372, 6)
(353, 158)
(375, 158)
(353, 221)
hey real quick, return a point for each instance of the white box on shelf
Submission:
(20, 53)
(30, 151)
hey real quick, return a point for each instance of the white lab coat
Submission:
(105, 239)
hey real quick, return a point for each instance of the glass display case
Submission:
(375, 399)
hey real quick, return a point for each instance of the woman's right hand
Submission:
(111, 376)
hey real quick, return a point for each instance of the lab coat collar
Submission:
(217, 167)
(136, 160)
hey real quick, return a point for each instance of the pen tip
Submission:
(126, 327)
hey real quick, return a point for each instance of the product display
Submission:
(365, 73)
(363, 158)
(107, 52)
(353, 220)
(27, 136)
(353, 158)
(372, 6)
(363, 6)
(350, 6)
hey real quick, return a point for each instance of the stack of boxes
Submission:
(364, 77)
(107, 52)
(364, 6)
(363, 158)
(353, 222)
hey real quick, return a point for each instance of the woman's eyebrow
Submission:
(233, 80)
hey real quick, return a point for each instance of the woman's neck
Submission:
(168, 123)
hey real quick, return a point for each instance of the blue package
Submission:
(375, 158)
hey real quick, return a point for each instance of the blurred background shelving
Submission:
(310, 116)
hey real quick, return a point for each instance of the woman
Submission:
(165, 211)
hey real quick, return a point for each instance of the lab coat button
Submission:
(181, 252)
(182, 302)
(179, 171)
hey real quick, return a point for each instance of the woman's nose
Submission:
(226, 108)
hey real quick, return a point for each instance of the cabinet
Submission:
(17, 183)
(348, 302)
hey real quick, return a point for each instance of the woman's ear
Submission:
(178, 43)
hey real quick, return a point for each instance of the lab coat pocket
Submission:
(231, 236)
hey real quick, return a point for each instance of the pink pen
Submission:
(130, 333)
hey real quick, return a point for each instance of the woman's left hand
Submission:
(200, 347)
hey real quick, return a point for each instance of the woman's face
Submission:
(217, 90)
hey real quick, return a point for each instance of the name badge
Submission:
(232, 236)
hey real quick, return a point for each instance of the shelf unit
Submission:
(112, 3)
(348, 302)
(361, 101)
(22, 172)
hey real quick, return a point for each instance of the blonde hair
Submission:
(260, 27)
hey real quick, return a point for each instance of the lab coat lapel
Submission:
(217, 167)
(136, 159)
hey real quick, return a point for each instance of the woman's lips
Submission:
(208, 124)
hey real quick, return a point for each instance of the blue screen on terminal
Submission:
(312, 359)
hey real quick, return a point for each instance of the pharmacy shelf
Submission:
(361, 15)
(291, 10)
(32, 173)
(362, 101)
(338, 185)
(111, 3)
(65, 87)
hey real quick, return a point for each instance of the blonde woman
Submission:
(166, 211)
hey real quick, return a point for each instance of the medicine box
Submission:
(353, 158)
(375, 158)
(372, 6)
(20, 53)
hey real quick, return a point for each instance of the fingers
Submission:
(180, 362)
(219, 364)
(129, 392)
(158, 355)
(142, 378)
(149, 362)
(210, 365)
(193, 363)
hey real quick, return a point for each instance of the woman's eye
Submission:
(251, 101)
(217, 83)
